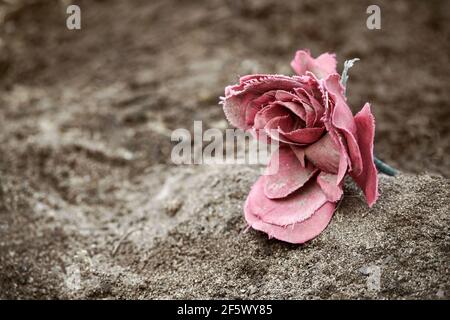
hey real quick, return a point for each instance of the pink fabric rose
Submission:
(320, 142)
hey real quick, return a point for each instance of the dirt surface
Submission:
(91, 206)
(165, 243)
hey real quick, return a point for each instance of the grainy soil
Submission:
(92, 207)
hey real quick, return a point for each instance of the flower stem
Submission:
(384, 168)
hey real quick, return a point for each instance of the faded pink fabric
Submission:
(324, 65)
(320, 142)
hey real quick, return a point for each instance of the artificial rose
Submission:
(320, 142)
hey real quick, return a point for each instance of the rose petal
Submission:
(304, 136)
(300, 153)
(324, 154)
(275, 128)
(368, 179)
(268, 113)
(267, 98)
(296, 207)
(342, 119)
(256, 105)
(310, 115)
(286, 174)
(322, 66)
(329, 185)
(298, 232)
(251, 113)
(327, 62)
(295, 107)
(344, 159)
(318, 108)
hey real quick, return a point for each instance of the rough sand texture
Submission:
(90, 206)
(171, 244)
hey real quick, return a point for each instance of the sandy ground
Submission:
(91, 207)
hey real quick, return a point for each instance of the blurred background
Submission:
(138, 69)
(85, 113)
